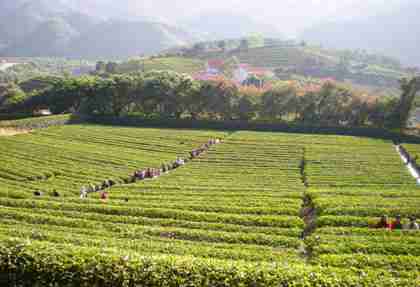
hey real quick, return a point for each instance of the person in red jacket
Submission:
(383, 223)
(396, 224)
(104, 195)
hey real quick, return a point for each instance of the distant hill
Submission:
(395, 34)
(177, 64)
(20, 18)
(37, 28)
(224, 25)
(118, 38)
(287, 59)
(50, 38)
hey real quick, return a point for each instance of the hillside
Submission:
(177, 64)
(394, 34)
(120, 39)
(225, 25)
(286, 58)
(20, 18)
(33, 68)
(51, 38)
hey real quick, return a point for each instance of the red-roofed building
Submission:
(259, 72)
(245, 71)
(328, 80)
(213, 71)
(204, 76)
(214, 67)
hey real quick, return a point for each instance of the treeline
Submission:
(172, 95)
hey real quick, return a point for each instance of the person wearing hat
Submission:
(103, 195)
(396, 224)
(412, 225)
(383, 223)
(83, 192)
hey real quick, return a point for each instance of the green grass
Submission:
(177, 64)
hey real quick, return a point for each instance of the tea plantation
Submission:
(258, 209)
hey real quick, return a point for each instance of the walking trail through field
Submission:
(409, 163)
(107, 184)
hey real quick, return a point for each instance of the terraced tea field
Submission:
(352, 183)
(177, 64)
(65, 158)
(231, 217)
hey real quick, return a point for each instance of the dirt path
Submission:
(409, 163)
(160, 171)
(7, 132)
(308, 212)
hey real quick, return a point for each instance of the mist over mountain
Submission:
(117, 38)
(287, 16)
(217, 25)
(394, 33)
(83, 28)
(51, 37)
(40, 28)
(22, 17)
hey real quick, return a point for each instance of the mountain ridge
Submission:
(373, 34)
(59, 31)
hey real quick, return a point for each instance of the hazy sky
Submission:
(290, 16)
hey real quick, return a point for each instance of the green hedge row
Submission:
(38, 264)
(40, 122)
(242, 125)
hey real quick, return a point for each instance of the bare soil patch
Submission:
(5, 132)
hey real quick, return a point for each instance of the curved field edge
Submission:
(7, 132)
(23, 262)
(31, 123)
(64, 257)
(39, 122)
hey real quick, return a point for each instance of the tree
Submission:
(255, 40)
(222, 45)
(98, 99)
(122, 91)
(229, 66)
(274, 103)
(199, 47)
(332, 103)
(12, 95)
(195, 102)
(357, 113)
(100, 67)
(409, 90)
(111, 68)
(342, 68)
(219, 98)
(246, 108)
(244, 44)
(307, 108)
(137, 96)
(377, 113)
(167, 91)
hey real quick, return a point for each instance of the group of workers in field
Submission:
(85, 190)
(149, 173)
(397, 224)
(156, 172)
